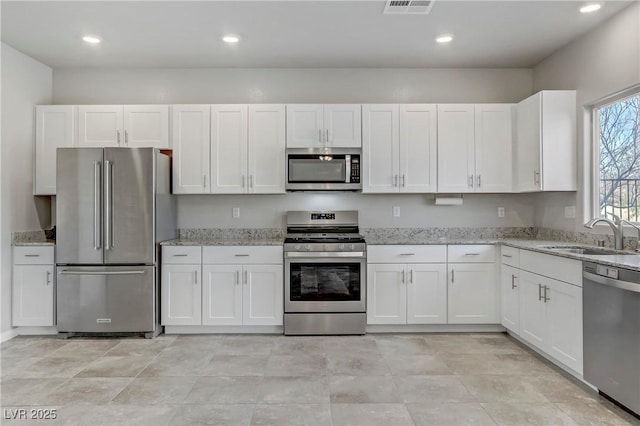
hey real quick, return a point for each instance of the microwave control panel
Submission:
(355, 169)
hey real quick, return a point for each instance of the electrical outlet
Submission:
(570, 212)
(396, 211)
(236, 212)
(500, 211)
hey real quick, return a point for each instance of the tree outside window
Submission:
(619, 141)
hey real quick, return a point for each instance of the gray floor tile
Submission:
(594, 413)
(156, 390)
(235, 365)
(302, 389)
(296, 365)
(417, 365)
(213, 414)
(94, 390)
(449, 414)
(116, 366)
(292, 414)
(293, 345)
(400, 345)
(557, 388)
(370, 415)
(32, 347)
(363, 389)
(177, 363)
(433, 388)
(140, 347)
(357, 365)
(496, 388)
(245, 345)
(20, 392)
(353, 345)
(516, 414)
(51, 367)
(84, 348)
(225, 390)
(109, 415)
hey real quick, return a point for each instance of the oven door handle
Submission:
(355, 254)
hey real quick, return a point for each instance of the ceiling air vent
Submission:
(408, 7)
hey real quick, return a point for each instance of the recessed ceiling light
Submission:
(230, 39)
(91, 39)
(590, 8)
(444, 39)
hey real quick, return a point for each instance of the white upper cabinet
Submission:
(146, 126)
(380, 148)
(545, 149)
(493, 147)
(134, 126)
(229, 125)
(320, 126)
(266, 149)
(418, 148)
(55, 128)
(474, 147)
(456, 148)
(399, 148)
(190, 135)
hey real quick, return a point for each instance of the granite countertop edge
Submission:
(224, 242)
(33, 243)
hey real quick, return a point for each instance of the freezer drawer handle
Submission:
(31, 255)
(70, 272)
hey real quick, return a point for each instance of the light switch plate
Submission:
(236, 212)
(500, 211)
(396, 211)
(570, 212)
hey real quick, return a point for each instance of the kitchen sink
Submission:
(586, 250)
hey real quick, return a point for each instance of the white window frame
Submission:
(594, 198)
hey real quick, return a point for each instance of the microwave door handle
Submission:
(347, 166)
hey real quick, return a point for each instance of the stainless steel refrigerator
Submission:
(113, 207)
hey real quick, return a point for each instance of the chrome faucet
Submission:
(616, 226)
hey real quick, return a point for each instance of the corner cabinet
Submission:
(474, 147)
(55, 128)
(399, 148)
(33, 288)
(545, 149)
(132, 126)
(324, 126)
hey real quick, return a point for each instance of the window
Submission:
(618, 172)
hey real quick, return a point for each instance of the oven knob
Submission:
(353, 247)
(297, 246)
(308, 248)
(341, 247)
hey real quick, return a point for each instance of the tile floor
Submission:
(378, 379)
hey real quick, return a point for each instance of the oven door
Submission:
(325, 282)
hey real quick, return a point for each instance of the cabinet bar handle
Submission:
(472, 254)
(539, 291)
(250, 181)
(404, 181)
(180, 255)
(402, 279)
(411, 275)
(546, 299)
(471, 181)
(204, 181)
(507, 255)
(48, 277)
(319, 136)
(245, 277)
(395, 180)
(118, 136)
(31, 255)
(479, 181)
(237, 277)
(241, 255)
(513, 282)
(327, 140)
(407, 254)
(453, 276)
(243, 181)
(126, 138)
(196, 274)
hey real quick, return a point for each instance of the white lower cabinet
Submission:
(510, 312)
(219, 291)
(33, 290)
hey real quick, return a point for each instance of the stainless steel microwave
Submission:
(332, 169)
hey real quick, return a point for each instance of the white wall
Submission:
(25, 83)
(88, 86)
(601, 63)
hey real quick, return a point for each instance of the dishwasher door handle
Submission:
(623, 285)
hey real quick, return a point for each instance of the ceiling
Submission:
(293, 34)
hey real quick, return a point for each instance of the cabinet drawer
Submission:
(548, 265)
(407, 254)
(510, 256)
(212, 255)
(182, 255)
(472, 253)
(33, 255)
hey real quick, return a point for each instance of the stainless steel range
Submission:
(325, 274)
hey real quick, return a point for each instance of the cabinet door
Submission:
(100, 126)
(510, 299)
(386, 294)
(559, 156)
(190, 135)
(533, 317)
(33, 291)
(263, 295)
(55, 128)
(493, 136)
(564, 315)
(473, 294)
(146, 126)
(342, 125)
(380, 148)
(181, 295)
(528, 148)
(456, 134)
(222, 295)
(305, 126)
(229, 149)
(427, 294)
(418, 150)
(266, 149)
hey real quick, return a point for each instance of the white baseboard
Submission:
(223, 329)
(37, 331)
(8, 335)
(435, 328)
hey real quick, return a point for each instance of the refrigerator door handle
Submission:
(108, 244)
(76, 272)
(97, 184)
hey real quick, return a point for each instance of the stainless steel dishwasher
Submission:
(611, 311)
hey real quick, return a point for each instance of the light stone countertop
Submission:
(224, 242)
(34, 243)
